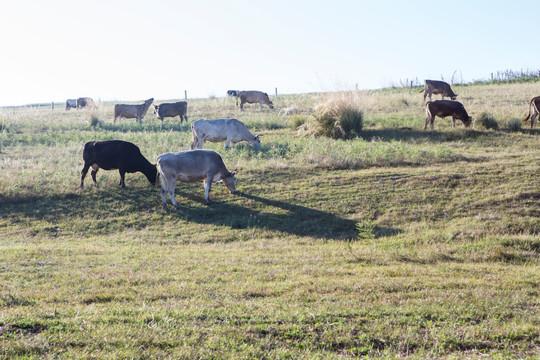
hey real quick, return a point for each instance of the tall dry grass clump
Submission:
(339, 116)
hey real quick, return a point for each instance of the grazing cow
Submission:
(171, 110)
(533, 106)
(233, 93)
(444, 108)
(71, 103)
(231, 131)
(252, 97)
(84, 102)
(116, 154)
(191, 166)
(132, 111)
(437, 87)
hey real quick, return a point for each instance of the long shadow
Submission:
(273, 215)
(410, 134)
(104, 210)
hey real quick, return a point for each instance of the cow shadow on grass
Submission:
(109, 210)
(408, 134)
(271, 215)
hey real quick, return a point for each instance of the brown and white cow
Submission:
(444, 108)
(132, 111)
(254, 97)
(171, 110)
(533, 107)
(192, 166)
(231, 131)
(86, 102)
(437, 87)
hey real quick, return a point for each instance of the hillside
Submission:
(400, 243)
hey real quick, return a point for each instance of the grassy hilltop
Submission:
(400, 243)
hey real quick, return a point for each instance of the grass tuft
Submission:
(488, 121)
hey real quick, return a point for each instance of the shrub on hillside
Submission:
(339, 117)
(513, 124)
(487, 121)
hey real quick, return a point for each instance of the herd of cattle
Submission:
(207, 165)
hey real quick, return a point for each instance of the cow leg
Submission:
(260, 105)
(83, 173)
(533, 117)
(207, 186)
(122, 177)
(241, 105)
(93, 173)
(425, 94)
(227, 142)
(453, 121)
(427, 121)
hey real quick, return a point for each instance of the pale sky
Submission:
(133, 50)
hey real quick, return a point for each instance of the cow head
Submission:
(256, 142)
(230, 181)
(467, 122)
(453, 97)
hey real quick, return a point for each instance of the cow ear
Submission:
(257, 136)
(234, 172)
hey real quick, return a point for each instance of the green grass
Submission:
(401, 243)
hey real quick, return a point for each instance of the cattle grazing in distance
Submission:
(254, 97)
(533, 107)
(233, 93)
(132, 111)
(171, 110)
(86, 102)
(437, 87)
(116, 154)
(191, 166)
(444, 108)
(71, 103)
(231, 131)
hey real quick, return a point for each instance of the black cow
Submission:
(116, 154)
(171, 110)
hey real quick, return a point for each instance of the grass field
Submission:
(401, 243)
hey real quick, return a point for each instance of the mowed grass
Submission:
(402, 243)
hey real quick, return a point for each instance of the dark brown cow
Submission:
(171, 110)
(533, 106)
(444, 108)
(86, 102)
(116, 154)
(437, 87)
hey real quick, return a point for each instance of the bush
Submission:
(513, 124)
(94, 121)
(295, 121)
(488, 121)
(338, 118)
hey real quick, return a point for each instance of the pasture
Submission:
(402, 243)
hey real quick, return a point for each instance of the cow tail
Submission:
(421, 90)
(530, 105)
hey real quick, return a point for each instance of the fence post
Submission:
(52, 106)
(185, 94)
(276, 92)
(411, 83)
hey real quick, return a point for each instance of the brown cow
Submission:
(253, 96)
(534, 104)
(132, 111)
(444, 108)
(437, 87)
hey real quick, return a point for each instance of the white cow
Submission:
(231, 131)
(191, 166)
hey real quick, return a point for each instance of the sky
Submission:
(133, 50)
